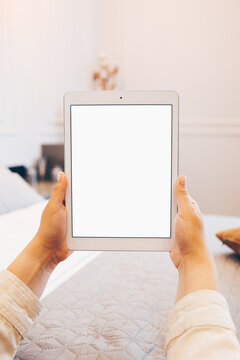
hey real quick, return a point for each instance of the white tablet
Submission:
(121, 162)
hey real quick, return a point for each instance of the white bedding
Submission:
(18, 227)
(15, 192)
(115, 308)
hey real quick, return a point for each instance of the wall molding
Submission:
(186, 128)
(6, 129)
(213, 127)
(58, 131)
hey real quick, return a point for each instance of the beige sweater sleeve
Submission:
(200, 327)
(19, 308)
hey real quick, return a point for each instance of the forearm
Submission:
(200, 327)
(196, 273)
(19, 308)
(33, 266)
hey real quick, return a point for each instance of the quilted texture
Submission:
(112, 309)
(115, 308)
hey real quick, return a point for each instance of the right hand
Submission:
(189, 232)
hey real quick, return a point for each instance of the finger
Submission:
(181, 194)
(195, 206)
(59, 192)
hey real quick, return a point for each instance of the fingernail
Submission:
(60, 175)
(182, 180)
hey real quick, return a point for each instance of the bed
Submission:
(109, 305)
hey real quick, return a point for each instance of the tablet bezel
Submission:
(130, 98)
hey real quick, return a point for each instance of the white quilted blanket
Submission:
(115, 308)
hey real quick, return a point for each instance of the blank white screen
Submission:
(121, 170)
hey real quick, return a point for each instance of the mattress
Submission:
(115, 308)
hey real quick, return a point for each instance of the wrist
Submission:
(196, 272)
(33, 266)
(43, 256)
(195, 260)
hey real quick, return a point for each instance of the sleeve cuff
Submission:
(18, 304)
(200, 308)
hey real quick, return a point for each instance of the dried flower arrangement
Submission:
(104, 74)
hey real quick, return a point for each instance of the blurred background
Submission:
(49, 47)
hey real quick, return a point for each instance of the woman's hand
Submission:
(190, 254)
(189, 232)
(37, 261)
(51, 235)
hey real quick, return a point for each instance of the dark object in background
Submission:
(21, 170)
(54, 156)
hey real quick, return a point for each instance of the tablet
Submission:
(121, 162)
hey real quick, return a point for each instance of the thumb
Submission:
(58, 195)
(181, 193)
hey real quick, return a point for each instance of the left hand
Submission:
(51, 235)
(36, 262)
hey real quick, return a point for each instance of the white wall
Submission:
(191, 47)
(48, 48)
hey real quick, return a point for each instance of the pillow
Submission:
(15, 193)
(231, 238)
